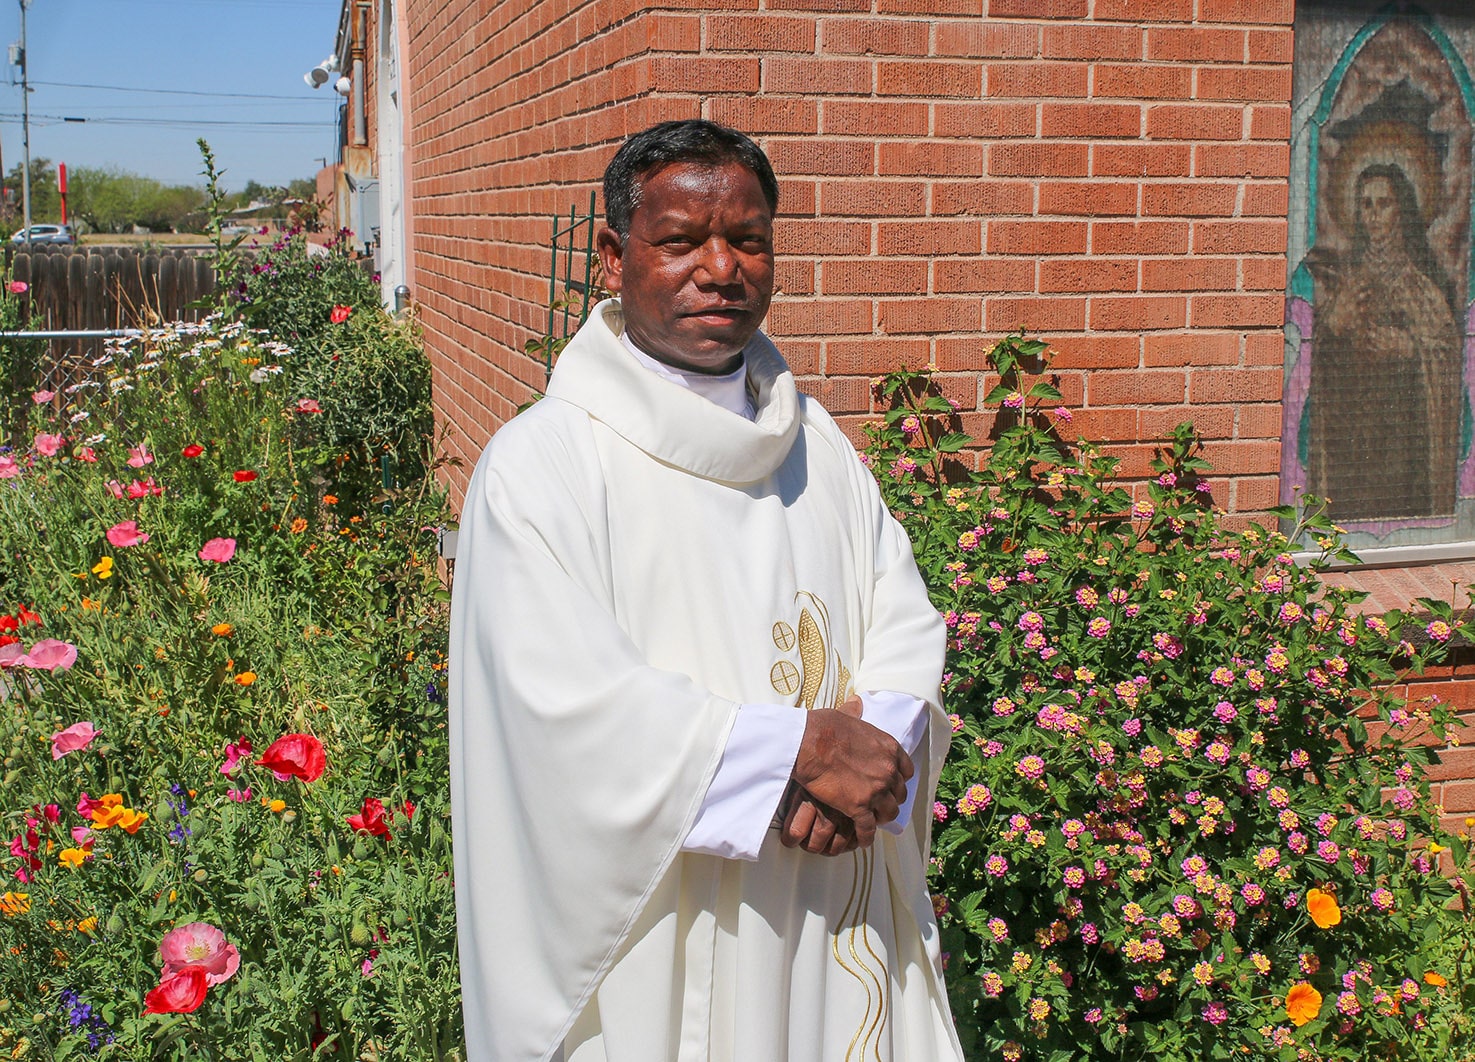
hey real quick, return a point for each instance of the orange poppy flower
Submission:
(1437, 980)
(1323, 908)
(1303, 1003)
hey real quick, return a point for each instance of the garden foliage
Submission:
(1182, 815)
(367, 367)
(225, 814)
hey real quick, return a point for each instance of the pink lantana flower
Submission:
(126, 534)
(139, 455)
(201, 945)
(50, 654)
(218, 550)
(47, 444)
(74, 738)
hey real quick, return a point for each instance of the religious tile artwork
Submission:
(1380, 322)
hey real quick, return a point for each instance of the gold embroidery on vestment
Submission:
(823, 681)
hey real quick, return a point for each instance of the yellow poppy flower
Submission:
(107, 818)
(131, 820)
(88, 924)
(72, 857)
(103, 569)
(222, 630)
(15, 903)
(1430, 977)
(245, 678)
(1323, 908)
(1303, 1003)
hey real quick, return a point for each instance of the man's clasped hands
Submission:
(849, 778)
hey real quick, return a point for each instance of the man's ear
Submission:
(611, 261)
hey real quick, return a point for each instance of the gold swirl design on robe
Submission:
(820, 685)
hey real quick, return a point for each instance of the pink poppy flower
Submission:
(10, 654)
(81, 835)
(240, 796)
(86, 805)
(181, 992)
(9, 469)
(235, 752)
(74, 738)
(308, 405)
(139, 455)
(199, 945)
(114, 488)
(86, 453)
(17, 287)
(295, 756)
(42, 397)
(47, 444)
(144, 489)
(126, 534)
(49, 654)
(218, 550)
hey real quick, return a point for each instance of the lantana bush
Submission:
(1183, 814)
(226, 825)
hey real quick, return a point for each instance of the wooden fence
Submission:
(71, 288)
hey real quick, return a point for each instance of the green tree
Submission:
(45, 195)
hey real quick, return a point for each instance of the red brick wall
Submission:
(1110, 174)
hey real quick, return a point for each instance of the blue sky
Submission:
(247, 48)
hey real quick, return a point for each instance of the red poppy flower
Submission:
(370, 818)
(340, 314)
(193, 450)
(9, 623)
(245, 475)
(26, 616)
(180, 992)
(295, 756)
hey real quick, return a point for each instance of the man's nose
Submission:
(718, 262)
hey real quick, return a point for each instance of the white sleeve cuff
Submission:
(749, 783)
(904, 717)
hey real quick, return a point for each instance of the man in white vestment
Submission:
(695, 721)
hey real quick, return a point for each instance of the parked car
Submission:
(47, 234)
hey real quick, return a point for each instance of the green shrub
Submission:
(326, 620)
(327, 306)
(1174, 820)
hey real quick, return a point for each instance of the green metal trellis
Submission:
(583, 288)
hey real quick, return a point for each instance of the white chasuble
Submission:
(635, 562)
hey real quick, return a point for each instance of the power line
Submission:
(177, 92)
(182, 122)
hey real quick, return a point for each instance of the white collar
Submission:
(730, 391)
(597, 373)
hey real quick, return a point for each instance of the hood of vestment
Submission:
(678, 427)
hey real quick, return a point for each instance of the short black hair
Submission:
(692, 140)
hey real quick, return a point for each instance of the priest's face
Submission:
(695, 274)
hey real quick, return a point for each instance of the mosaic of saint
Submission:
(1378, 314)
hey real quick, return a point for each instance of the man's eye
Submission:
(678, 242)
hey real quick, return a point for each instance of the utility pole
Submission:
(25, 91)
